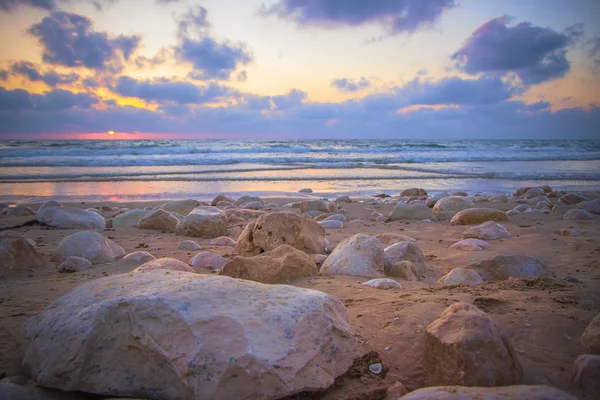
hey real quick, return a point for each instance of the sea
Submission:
(125, 170)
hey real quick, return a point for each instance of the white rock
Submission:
(470, 245)
(71, 218)
(203, 222)
(448, 207)
(383, 283)
(461, 276)
(129, 219)
(223, 241)
(406, 251)
(183, 207)
(411, 211)
(487, 231)
(520, 392)
(89, 245)
(139, 257)
(331, 224)
(207, 260)
(159, 220)
(164, 264)
(188, 245)
(358, 255)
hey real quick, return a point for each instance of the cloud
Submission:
(533, 53)
(194, 21)
(211, 59)
(69, 39)
(8, 5)
(3, 75)
(55, 100)
(51, 78)
(395, 16)
(346, 85)
(166, 91)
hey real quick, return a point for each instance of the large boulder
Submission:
(282, 265)
(519, 392)
(164, 263)
(89, 245)
(183, 207)
(160, 220)
(413, 192)
(534, 192)
(511, 266)
(470, 245)
(464, 346)
(478, 216)
(586, 374)
(207, 260)
(203, 222)
(577, 214)
(591, 206)
(129, 219)
(274, 229)
(448, 207)
(461, 276)
(19, 388)
(572, 199)
(434, 198)
(487, 231)
(47, 204)
(17, 253)
(315, 205)
(411, 211)
(406, 251)
(71, 218)
(358, 255)
(591, 336)
(188, 336)
(390, 238)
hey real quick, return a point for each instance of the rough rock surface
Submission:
(464, 346)
(161, 336)
(188, 245)
(405, 270)
(16, 253)
(461, 276)
(282, 265)
(203, 222)
(129, 219)
(406, 251)
(511, 266)
(586, 374)
(470, 245)
(383, 283)
(390, 238)
(274, 229)
(577, 214)
(591, 336)
(223, 241)
(448, 207)
(90, 245)
(478, 216)
(487, 231)
(71, 218)
(164, 263)
(160, 219)
(358, 255)
(183, 207)
(139, 257)
(515, 392)
(207, 260)
(74, 264)
(411, 211)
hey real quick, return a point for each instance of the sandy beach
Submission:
(542, 317)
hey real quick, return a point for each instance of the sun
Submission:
(111, 133)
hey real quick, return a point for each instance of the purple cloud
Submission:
(211, 59)
(396, 16)
(535, 54)
(50, 78)
(55, 100)
(346, 85)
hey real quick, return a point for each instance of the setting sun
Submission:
(111, 132)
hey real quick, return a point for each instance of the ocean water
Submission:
(166, 169)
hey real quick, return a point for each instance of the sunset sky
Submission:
(406, 69)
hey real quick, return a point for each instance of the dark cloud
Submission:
(69, 39)
(194, 21)
(14, 99)
(54, 100)
(50, 5)
(535, 54)
(211, 59)
(291, 99)
(166, 91)
(346, 85)
(3, 74)
(396, 16)
(51, 78)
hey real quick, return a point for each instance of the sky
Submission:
(300, 69)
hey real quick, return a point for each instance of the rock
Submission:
(331, 224)
(314, 214)
(389, 238)
(183, 207)
(413, 192)
(336, 217)
(591, 336)
(577, 215)
(464, 346)
(225, 204)
(305, 190)
(487, 231)
(460, 194)
(560, 210)
(499, 198)
(188, 336)
(556, 193)
(71, 218)
(572, 198)
(570, 232)
(17, 388)
(274, 229)
(478, 216)
(511, 266)
(271, 205)
(253, 205)
(18, 211)
(74, 264)
(434, 198)
(343, 199)
(538, 199)
(16, 253)
(188, 245)
(518, 392)
(591, 206)
(448, 207)
(586, 374)
(406, 251)
(223, 241)
(243, 214)
(282, 265)
(219, 198)
(411, 211)
(521, 191)
(314, 205)
(164, 263)
(534, 192)
(89, 245)
(383, 283)
(358, 255)
(139, 257)
(405, 270)
(129, 219)
(470, 245)
(203, 222)
(207, 260)
(318, 259)
(247, 199)
(47, 204)
(521, 208)
(160, 219)
(461, 276)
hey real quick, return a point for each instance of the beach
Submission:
(542, 317)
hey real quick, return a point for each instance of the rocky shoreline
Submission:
(454, 295)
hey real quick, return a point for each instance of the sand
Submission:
(542, 317)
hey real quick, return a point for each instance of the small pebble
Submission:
(376, 368)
